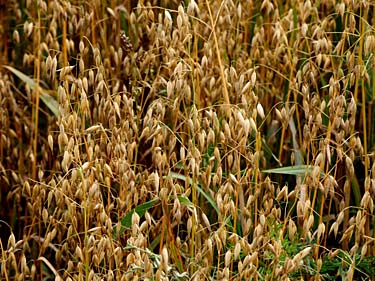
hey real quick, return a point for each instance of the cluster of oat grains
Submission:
(159, 140)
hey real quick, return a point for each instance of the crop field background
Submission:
(187, 140)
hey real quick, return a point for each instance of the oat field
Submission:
(187, 140)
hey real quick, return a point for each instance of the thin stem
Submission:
(225, 90)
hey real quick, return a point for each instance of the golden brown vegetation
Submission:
(219, 140)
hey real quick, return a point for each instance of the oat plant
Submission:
(193, 140)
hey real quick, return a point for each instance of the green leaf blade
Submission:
(46, 98)
(298, 170)
(126, 222)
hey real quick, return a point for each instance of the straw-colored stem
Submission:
(218, 55)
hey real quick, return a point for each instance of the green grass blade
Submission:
(126, 222)
(185, 201)
(175, 175)
(298, 170)
(46, 98)
(50, 102)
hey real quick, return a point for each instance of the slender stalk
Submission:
(36, 110)
(364, 122)
(222, 76)
(258, 145)
(363, 89)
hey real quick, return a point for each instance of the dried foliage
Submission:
(159, 140)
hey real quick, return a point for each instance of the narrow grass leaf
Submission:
(185, 201)
(48, 100)
(175, 175)
(126, 222)
(292, 170)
